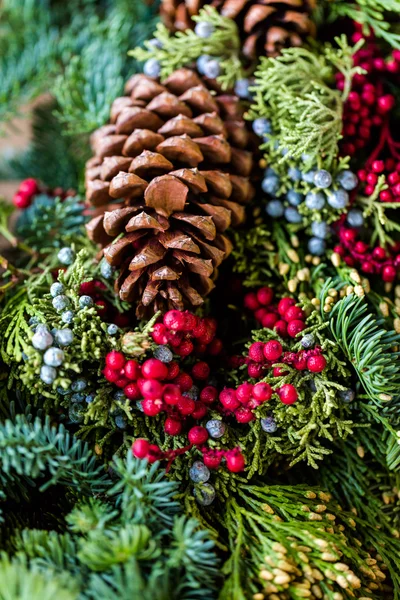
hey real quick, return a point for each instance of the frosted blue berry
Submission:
(53, 357)
(275, 209)
(66, 256)
(268, 425)
(24, 356)
(338, 199)
(62, 391)
(308, 177)
(75, 413)
(198, 472)
(261, 126)
(316, 246)
(204, 29)
(201, 62)
(42, 339)
(193, 393)
(64, 337)
(89, 398)
(119, 395)
(60, 302)
(348, 180)
(33, 321)
(152, 67)
(270, 184)
(292, 215)
(215, 428)
(204, 494)
(47, 374)
(294, 198)
(212, 69)
(242, 88)
(320, 229)
(120, 422)
(67, 317)
(85, 301)
(323, 179)
(305, 157)
(79, 385)
(163, 353)
(270, 171)
(112, 329)
(355, 218)
(106, 269)
(307, 341)
(155, 43)
(347, 395)
(56, 289)
(294, 174)
(78, 397)
(312, 386)
(315, 200)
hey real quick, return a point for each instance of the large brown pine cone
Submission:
(265, 26)
(179, 159)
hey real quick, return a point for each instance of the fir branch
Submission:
(183, 48)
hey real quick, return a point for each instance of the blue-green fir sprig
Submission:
(220, 41)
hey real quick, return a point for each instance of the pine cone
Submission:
(265, 26)
(179, 158)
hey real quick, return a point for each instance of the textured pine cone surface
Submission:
(266, 26)
(178, 159)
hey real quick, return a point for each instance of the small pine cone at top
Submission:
(265, 26)
(178, 160)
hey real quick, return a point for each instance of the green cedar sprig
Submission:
(374, 212)
(184, 48)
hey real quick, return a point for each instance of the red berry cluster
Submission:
(161, 387)
(212, 458)
(356, 252)
(285, 317)
(367, 105)
(388, 167)
(186, 333)
(26, 191)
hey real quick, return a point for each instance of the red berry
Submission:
(349, 235)
(175, 320)
(172, 426)
(316, 364)
(21, 200)
(151, 388)
(272, 350)
(201, 370)
(295, 327)
(159, 334)
(260, 314)
(87, 288)
(186, 405)
(198, 435)
(173, 371)
(386, 196)
(243, 415)
(154, 369)
(154, 454)
(132, 370)
(209, 394)
(200, 349)
(184, 381)
(235, 462)
(265, 296)
(255, 370)
(288, 394)
(251, 302)
(200, 410)
(151, 407)
(243, 392)
(140, 448)
(190, 321)
(174, 338)
(228, 399)
(185, 348)
(279, 372)
(111, 375)
(132, 391)
(256, 352)
(268, 321)
(262, 391)
(171, 394)
(393, 178)
(121, 382)
(200, 329)
(215, 347)
(378, 166)
(300, 362)
(361, 247)
(294, 313)
(388, 273)
(29, 187)
(207, 338)
(212, 461)
(115, 360)
(284, 304)
(367, 267)
(281, 328)
(379, 253)
(386, 103)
